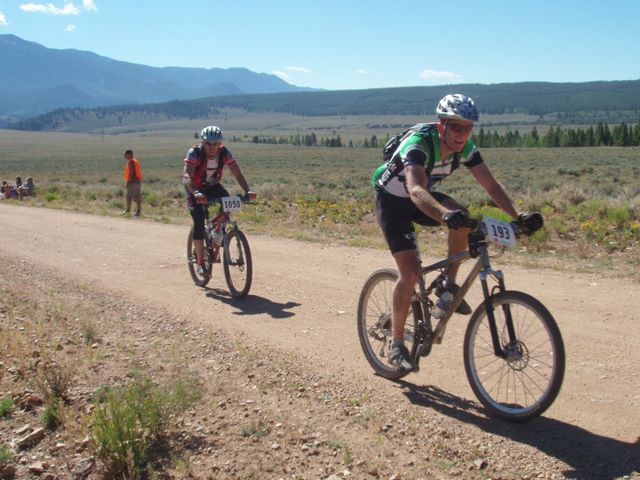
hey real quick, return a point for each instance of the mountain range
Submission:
(35, 79)
(49, 89)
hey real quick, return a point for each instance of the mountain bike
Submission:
(514, 355)
(223, 233)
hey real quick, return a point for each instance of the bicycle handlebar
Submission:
(519, 228)
(248, 197)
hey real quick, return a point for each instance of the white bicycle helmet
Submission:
(211, 134)
(457, 107)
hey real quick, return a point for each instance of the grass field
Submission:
(590, 196)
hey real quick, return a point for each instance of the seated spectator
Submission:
(28, 187)
(17, 188)
(5, 190)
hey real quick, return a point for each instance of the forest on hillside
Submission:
(550, 103)
(601, 135)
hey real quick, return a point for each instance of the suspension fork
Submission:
(488, 306)
(488, 303)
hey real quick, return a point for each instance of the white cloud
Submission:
(283, 75)
(361, 71)
(68, 9)
(70, 28)
(89, 5)
(435, 76)
(3, 20)
(298, 69)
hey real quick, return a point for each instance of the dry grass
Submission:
(589, 196)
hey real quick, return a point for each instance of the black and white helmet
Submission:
(211, 134)
(457, 107)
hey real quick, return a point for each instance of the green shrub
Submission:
(132, 421)
(52, 415)
(538, 241)
(479, 211)
(6, 455)
(557, 225)
(619, 216)
(102, 394)
(89, 331)
(151, 198)
(6, 404)
(117, 204)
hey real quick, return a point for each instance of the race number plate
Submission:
(231, 204)
(500, 232)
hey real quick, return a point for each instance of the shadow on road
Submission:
(253, 304)
(590, 456)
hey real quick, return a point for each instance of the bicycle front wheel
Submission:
(200, 280)
(374, 323)
(527, 380)
(238, 267)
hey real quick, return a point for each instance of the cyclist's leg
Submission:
(214, 193)
(407, 263)
(197, 213)
(394, 218)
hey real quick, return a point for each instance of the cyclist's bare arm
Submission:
(187, 181)
(235, 170)
(495, 189)
(417, 181)
(187, 177)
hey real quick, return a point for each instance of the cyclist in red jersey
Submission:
(203, 167)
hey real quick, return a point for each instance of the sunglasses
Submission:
(460, 127)
(212, 144)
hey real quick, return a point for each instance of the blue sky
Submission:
(351, 44)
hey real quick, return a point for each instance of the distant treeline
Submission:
(601, 135)
(307, 140)
(547, 103)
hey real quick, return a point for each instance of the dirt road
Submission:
(304, 298)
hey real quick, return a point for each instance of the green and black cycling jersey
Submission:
(420, 147)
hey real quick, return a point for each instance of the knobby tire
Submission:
(523, 385)
(374, 323)
(237, 263)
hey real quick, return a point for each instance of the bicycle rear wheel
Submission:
(238, 267)
(200, 280)
(374, 323)
(526, 382)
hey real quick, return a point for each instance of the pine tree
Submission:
(550, 138)
(535, 138)
(591, 138)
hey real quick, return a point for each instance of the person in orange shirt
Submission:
(133, 179)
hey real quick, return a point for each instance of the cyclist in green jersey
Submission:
(426, 155)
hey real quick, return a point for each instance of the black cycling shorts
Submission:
(396, 216)
(197, 210)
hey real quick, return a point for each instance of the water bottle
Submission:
(442, 305)
(216, 236)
